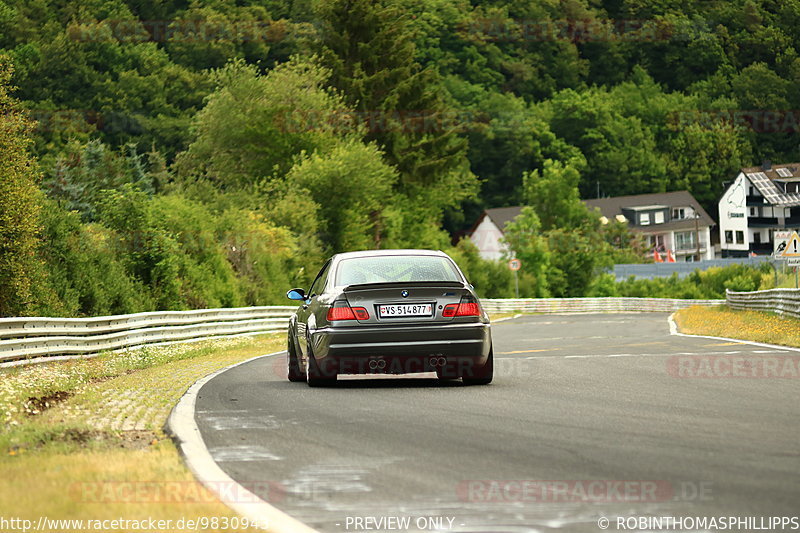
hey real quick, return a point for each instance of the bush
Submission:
(86, 276)
(709, 284)
(20, 201)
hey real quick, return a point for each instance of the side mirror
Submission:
(296, 294)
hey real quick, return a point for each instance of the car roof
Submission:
(380, 253)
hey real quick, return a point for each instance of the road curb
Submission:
(181, 426)
(673, 330)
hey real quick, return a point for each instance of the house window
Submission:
(739, 237)
(685, 240)
(753, 212)
(659, 217)
(656, 241)
(678, 213)
(728, 237)
(644, 219)
(757, 237)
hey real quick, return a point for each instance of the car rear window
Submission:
(395, 268)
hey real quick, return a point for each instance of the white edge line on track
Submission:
(182, 427)
(673, 330)
(506, 318)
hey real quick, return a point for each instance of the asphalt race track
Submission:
(589, 416)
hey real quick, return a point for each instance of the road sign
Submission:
(515, 264)
(792, 248)
(781, 239)
(793, 261)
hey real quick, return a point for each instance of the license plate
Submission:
(401, 310)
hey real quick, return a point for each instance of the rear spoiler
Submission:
(403, 285)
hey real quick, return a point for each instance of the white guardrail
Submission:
(34, 337)
(781, 301)
(39, 337)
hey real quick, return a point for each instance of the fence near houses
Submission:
(664, 270)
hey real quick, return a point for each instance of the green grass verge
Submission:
(79, 436)
(721, 321)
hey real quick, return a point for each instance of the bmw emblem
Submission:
(404, 293)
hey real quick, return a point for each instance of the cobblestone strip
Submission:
(142, 400)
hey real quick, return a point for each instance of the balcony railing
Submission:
(762, 222)
(772, 222)
(762, 248)
(689, 246)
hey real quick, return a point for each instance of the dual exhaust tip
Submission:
(437, 361)
(380, 364)
(375, 364)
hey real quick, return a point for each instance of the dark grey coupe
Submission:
(389, 311)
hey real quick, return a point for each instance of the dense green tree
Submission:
(620, 149)
(581, 242)
(361, 183)
(506, 138)
(83, 171)
(553, 194)
(188, 149)
(86, 273)
(253, 125)
(524, 237)
(369, 49)
(20, 202)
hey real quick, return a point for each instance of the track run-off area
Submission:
(588, 417)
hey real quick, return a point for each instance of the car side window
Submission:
(319, 282)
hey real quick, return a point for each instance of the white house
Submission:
(760, 201)
(672, 221)
(487, 231)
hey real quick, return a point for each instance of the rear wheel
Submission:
(481, 374)
(294, 372)
(314, 375)
(448, 371)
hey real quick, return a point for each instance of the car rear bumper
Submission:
(403, 349)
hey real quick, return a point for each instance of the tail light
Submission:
(467, 307)
(342, 311)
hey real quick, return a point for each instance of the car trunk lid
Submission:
(404, 303)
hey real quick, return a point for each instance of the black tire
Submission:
(447, 372)
(314, 376)
(294, 372)
(481, 375)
